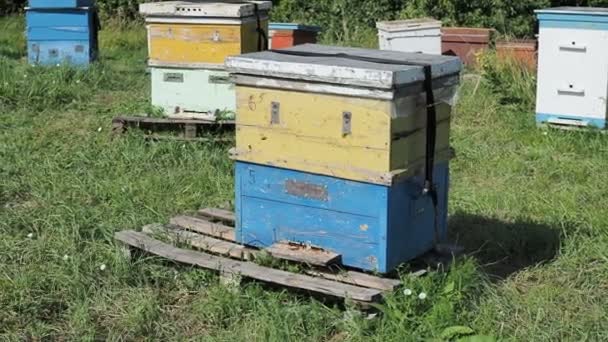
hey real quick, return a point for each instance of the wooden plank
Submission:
(156, 137)
(203, 242)
(218, 214)
(151, 120)
(303, 254)
(247, 269)
(359, 279)
(204, 227)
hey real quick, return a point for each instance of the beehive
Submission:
(180, 90)
(331, 151)
(573, 67)
(285, 35)
(374, 227)
(199, 34)
(340, 117)
(412, 35)
(58, 35)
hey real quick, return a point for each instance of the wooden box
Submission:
(285, 35)
(374, 227)
(465, 42)
(202, 34)
(180, 91)
(572, 67)
(61, 35)
(340, 117)
(412, 35)
(60, 3)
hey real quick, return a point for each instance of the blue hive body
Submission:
(60, 3)
(374, 227)
(61, 35)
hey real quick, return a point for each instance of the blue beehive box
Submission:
(60, 3)
(62, 35)
(374, 227)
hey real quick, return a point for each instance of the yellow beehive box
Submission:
(343, 112)
(203, 33)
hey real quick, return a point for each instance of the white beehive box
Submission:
(573, 66)
(414, 35)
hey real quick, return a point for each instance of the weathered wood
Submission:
(206, 243)
(339, 70)
(156, 137)
(204, 227)
(190, 131)
(303, 254)
(247, 269)
(216, 9)
(121, 124)
(218, 214)
(359, 279)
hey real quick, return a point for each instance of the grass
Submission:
(527, 204)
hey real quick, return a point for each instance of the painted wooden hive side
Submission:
(201, 43)
(373, 227)
(58, 36)
(411, 231)
(341, 216)
(307, 132)
(409, 130)
(250, 36)
(192, 90)
(192, 43)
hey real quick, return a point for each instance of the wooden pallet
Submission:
(213, 237)
(571, 128)
(194, 130)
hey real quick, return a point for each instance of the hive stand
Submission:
(211, 232)
(187, 129)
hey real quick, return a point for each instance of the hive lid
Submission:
(574, 10)
(343, 69)
(293, 27)
(408, 25)
(204, 8)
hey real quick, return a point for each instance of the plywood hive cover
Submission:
(336, 65)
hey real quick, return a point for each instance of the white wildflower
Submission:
(58, 64)
(422, 296)
(407, 292)
(77, 81)
(102, 267)
(66, 257)
(545, 133)
(99, 129)
(24, 75)
(30, 235)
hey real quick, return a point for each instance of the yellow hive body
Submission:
(299, 123)
(188, 44)
(309, 134)
(203, 34)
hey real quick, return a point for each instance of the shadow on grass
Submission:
(504, 248)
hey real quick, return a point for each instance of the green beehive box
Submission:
(185, 91)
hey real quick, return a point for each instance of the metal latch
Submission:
(215, 79)
(53, 53)
(347, 118)
(275, 113)
(176, 77)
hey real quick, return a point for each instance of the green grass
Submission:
(528, 205)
